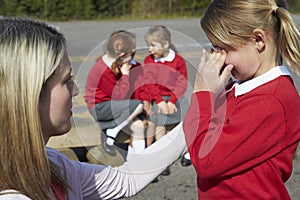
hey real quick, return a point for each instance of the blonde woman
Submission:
(36, 99)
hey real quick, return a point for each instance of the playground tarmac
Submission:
(181, 184)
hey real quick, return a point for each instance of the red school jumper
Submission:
(167, 78)
(103, 85)
(245, 152)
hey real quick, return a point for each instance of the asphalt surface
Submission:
(85, 40)
(181, 184)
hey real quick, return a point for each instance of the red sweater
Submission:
(103, 85)
(164, 79)
(243, 147)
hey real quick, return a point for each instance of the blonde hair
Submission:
(120, 42)
(232, 23)
(30, 51)
(160, 34)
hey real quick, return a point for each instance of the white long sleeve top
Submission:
(91, 181)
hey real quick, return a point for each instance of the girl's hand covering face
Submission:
(212, 72)
(125, 68)
(123, 61)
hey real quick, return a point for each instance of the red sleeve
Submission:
(148, 86)
(181, 80)
(250, 133)
(112, 86)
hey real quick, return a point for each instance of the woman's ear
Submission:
(260, 38)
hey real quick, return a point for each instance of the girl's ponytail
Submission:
(288, 39)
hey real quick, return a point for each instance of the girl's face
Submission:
(245, 60)
(157, 49)
(56, 101)
(256, 56)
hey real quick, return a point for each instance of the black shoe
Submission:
(107, 148)
(166, 172)
(185, 162)
(155, 180)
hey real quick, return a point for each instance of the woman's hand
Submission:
(212, 74)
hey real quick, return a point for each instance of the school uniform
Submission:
(242, 142)
(165, 79)
(110, 97)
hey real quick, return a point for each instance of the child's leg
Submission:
(150, 133)
(160, 131)
(113, 132)
(137, 140)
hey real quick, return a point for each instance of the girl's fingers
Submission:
(198, 79)
(210, 75)
(218, 57)
(225, 74)
(202, 61)
(221, 60)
